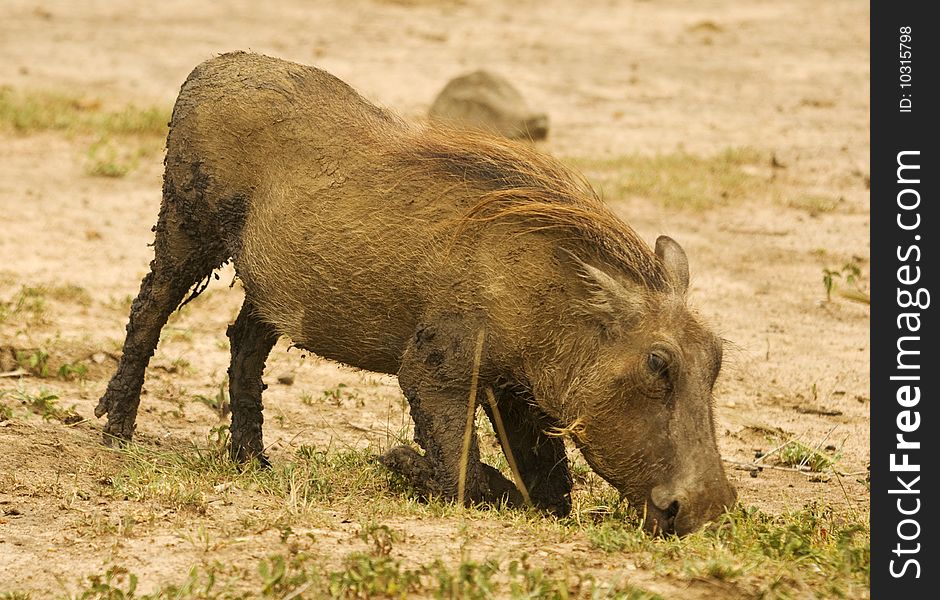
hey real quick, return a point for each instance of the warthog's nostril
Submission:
(673, 510)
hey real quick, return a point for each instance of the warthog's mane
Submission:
(514, 181)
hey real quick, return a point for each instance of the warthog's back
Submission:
(328, 237)
(246, 116)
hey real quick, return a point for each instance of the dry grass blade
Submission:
(573, 429)
(471, 411)
(854, 295)
(504, 442)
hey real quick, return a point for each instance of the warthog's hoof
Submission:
(118, 431)
(417, 469)
(244, 456)
(407, 463)
(104, 405)
(115, 439)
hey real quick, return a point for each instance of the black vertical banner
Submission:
(905, 421)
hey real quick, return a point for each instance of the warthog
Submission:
(486, 101)
(459, 262)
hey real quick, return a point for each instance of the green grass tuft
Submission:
(678, 180)
(757, 553)
(26, 112)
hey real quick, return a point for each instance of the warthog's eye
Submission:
(657, 363)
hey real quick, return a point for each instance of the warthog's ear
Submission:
(675, 261)
(605, 298)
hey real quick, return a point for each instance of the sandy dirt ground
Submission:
(788, 79)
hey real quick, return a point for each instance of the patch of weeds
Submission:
(29, 302)
(218, 402)
(799, 455)
(35, 361)
(759, 554)
(471, 579)
(829, 550)
(26, 112)
(201, 540)
(722, 567)
(526, 581)
(367, 576)
(104, 159)
(326, 477)
(679, 180)
(186, 476)
(813, 547)
(282, 575)
(197, 585)
(181, 365)
(382, 537)
(45, 404)
(183, 478)
(6, 413)
(137, 129)
(71, 371)
(96, 525)
(120, 303)
(117, 583)
(336, 395)
(851, 274)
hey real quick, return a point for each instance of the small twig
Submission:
(16, 373)
(372, 430)
(751, 466)
(774, 451)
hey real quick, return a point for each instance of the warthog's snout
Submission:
(683, 509)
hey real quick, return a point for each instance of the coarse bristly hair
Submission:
(514, 180)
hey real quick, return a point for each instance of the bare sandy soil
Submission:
(788, 79)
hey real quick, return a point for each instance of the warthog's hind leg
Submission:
(180, 261)
(251, 341)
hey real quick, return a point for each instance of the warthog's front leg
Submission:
(435, 376)
(541, 459)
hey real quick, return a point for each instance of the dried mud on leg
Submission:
(179, 263)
